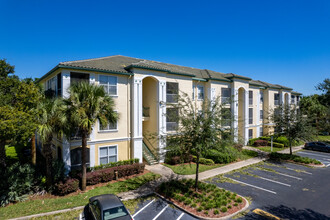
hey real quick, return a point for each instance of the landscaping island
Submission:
(207, 202)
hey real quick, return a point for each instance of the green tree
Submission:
(5, 68)
(86, 104)
(200, 128)
(289, 122)
(52, 120)
(17, 113)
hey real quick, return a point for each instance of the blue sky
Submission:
(281, 42)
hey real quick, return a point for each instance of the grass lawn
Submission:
(324, 138)
(187, 169)
(267, 148)
(131, 205)
(247, 154)
(36, 206)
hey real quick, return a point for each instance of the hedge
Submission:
(258, 143)
(275, 144)
(69, 186)
(113, 164)
(229, 155)
(203, 160)
(108, 174)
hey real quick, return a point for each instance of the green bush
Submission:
(203, 160)
(58, 171)
(229, 155)
(216, 212)
(17, 181)
(113, 164)
(275, 144)
(239, 200)
(224, 209)
(251, 141)
(199, 209)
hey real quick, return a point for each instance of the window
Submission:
(250, 97)
(200, 92)
(51, 87)
(261, 114)
(276, 99)
(109, 84)
(193, 92)
(59, 85)
(261, 132)
(250, 115)
(108, 154)
(298, 98)
(75, 156)
(172, 92)
(172, 119)
(261, 96)
(293, 99)
(110, 126)
(250, 133)
(226, 116)
(225, 95)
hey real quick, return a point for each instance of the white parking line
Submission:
(143, 208)
(319, 155)
(257, 187)
(274, 181)
(160, 212)
(303, 171)
(283, 174)
(180, 216)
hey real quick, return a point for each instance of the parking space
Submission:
(156, 208)
(321, 156)
(286, 190)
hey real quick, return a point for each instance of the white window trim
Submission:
(108, 83)
(98, 153)
(110, 130)
(200, 86)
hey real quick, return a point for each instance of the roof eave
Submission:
(162, 70)
(82, 68)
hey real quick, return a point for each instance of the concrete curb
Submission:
(48, 213)
(247, 204)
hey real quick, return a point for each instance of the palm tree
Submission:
(86, 104)
(52, 120)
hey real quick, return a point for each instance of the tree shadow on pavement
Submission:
(285, 212)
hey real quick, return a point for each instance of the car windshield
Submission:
(115, 213)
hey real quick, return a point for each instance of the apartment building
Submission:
(143, 91)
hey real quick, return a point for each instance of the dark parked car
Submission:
(106, 207)
(318, 146)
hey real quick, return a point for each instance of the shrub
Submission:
(229, 207)
(224, 209)
(176, 160)
(258, 143)
(220, 157)
(58, 171)
(265, 138)
(17, 181)
(239, 200)
(216, 212)
(69, 186)
(251, 141)
(275, 144)
(282, 140)
(113, 164)
(203, 160)
(235, 204)
(206, 212)
(295, 158)
(108, 174)
(199, 209)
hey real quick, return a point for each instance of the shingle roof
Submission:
(122, 65)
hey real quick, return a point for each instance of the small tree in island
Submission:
(200, 127)
(290, 123)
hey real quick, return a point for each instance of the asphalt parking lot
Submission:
(156, 208)
(285, 190)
